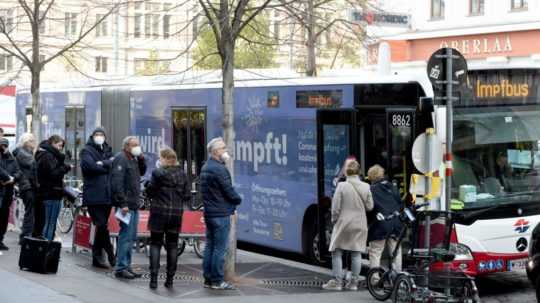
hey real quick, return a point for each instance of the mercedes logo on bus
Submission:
(521, 244)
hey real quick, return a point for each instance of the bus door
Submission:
(75, 136)
(386, 137)
(189, 141)
(336, 140)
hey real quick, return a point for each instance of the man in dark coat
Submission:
(220, 202)
(386, 201)
(127, 168)
(96, 162)
(9, 167)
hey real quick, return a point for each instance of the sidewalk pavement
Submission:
(261, 279)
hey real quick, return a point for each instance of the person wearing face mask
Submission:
(24, 153)
(10, 166)
(96, 162)
(51, 169)
(220, 202)
(127, 168)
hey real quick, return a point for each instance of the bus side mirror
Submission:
(425, 105)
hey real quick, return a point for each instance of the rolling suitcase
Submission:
(40, 255)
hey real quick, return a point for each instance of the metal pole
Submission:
(427, 226)
(449, 127)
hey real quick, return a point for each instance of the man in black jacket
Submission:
(9, 167)
(220, 202)
(96, 162)
(127, 168)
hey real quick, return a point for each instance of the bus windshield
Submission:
(496, 155)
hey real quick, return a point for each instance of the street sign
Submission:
(419, 153)
(436, 69)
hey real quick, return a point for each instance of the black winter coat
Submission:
(27, 164)
(10, 166)
(219, 197)
(125, 180)
(50, 172)
(96, 183)
(386, 201)
(168, 191)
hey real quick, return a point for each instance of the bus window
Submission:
(189, 140)
(400, 138)
(74, 136)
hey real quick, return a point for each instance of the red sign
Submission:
(142, 227)
(83, 231)
(193, 223)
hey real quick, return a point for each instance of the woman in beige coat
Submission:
(351, 201)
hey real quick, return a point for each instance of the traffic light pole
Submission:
(449, 127)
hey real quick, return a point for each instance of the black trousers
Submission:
(28, 221)
(171, 239)
(7, 199)
(39, 217)
(100, 218)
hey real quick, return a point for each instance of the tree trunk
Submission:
(228, 134)
(35, 69)
(311, 64)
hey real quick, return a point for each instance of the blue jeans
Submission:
(217, 236)
(126, 238)
(52, 210)
(337, 264)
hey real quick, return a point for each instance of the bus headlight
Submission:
(462, 252)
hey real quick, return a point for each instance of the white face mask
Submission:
(225, 157)
(99, 140)
(136, 151)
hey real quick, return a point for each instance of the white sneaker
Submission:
(352, 284)
(332, 284)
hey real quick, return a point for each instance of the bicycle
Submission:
(380, 281)
(70, 207)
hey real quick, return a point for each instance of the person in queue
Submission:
(10, 166)
(127, 168)
(50, 173)
(28, 185)
(96, 162)
(220, 201)
(350, 203)
(168, 190)
(386, 201)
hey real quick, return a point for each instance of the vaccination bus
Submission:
(293, 135)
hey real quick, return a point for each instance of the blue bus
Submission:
(291, 138)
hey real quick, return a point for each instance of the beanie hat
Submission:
(4, 141)
(99, 129)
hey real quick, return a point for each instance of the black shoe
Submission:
(124, 274)
(153, 281)
(207, 283)
(134, 274)
(169, 281)
(97, 263)
(3, 246)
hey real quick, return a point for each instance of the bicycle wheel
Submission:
(403, 290)
(379, 284)
(181, 247)
(66, 217)
(199, 246)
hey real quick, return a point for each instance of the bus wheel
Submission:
(314, 253)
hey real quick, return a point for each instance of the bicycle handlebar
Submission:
(398, 213)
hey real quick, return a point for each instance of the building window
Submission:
(102, 27)
(437, 9)
(137, 29)
(166, 26)
(518, 4)
(6, 20)
(70, 24)
(6, 63)
(476, 7)
(101, 64)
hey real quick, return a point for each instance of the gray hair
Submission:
(128, 139)
(375, 173)
(25, 138)
(212, 144)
